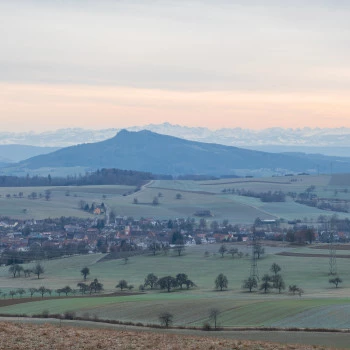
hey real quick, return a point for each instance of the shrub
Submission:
(206, 326)
(69, 315)
(45, 314)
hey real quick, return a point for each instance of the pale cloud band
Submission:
(212, 63)
(41, 107)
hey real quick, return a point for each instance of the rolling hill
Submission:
(162, 154)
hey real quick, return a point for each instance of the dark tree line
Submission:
(36, 252)
(276, 196)
(99, 177)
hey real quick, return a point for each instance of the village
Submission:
(26, 240)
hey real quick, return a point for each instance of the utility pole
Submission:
(254, 272)
(332, 253)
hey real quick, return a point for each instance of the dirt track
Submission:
(304, 255)
(8, 302)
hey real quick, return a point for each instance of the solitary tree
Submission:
(85, 271)
(213, 315)
(38, 270)
(221, 282)
(151, 280)
(179, 248)
(250, 283)
(336, 281)
(165, 248)
(278, 283)
(167, 282)
(47, 194)
(166, 319)
(275, 268)
(265, 284)
(122, 284)
(222, 250)
(258, 250)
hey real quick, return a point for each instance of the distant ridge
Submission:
(328, 141)
(161, 154)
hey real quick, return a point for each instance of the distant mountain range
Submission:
(16, 153)
(162, 154)
(332, 141)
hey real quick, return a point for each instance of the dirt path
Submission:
(306, 255)
(9, 302)
(245, 182)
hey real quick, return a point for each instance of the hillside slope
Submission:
(151, 152)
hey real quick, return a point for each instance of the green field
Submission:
(321, 306)
(195, 195)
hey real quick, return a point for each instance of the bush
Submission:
(206, 326)
(69, 315)
(45, 314)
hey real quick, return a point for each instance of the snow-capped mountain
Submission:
(331, 141)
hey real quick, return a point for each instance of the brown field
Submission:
(54, 337)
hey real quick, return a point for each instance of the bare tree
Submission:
(222, 250)
(32, 291)
(275, 268)
(265, 284)
(250, 283)
(38, 270)
(166, 319)
(122, 284)
(21, 291)
(221, 281)
(42, 290)
(336, 281)
(12, 293)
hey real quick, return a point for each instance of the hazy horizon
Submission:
(222, 64)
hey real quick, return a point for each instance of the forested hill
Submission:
(99, 177)
(161, 154)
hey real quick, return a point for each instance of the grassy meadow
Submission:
(195, 195)
(321, 306)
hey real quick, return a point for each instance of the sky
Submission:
(218, 64)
